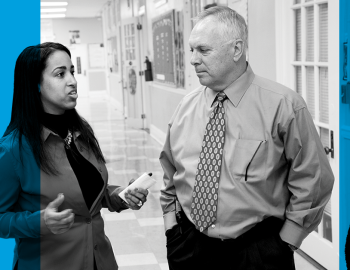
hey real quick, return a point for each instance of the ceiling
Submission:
(82, 8)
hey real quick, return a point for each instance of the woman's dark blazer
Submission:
(25, 191)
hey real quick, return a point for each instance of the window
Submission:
(196, 7)
(179, 50)
(129, 35)
(311, 73)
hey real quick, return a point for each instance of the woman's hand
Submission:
(58, 222)
(136, 198)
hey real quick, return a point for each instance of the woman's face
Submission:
(58, 87)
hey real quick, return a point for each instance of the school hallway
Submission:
(137, 237)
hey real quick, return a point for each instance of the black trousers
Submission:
(95, 267)
(259, 248)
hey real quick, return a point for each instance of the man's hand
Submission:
(58, 222)
(136, 198)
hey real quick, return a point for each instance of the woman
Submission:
(53, 175)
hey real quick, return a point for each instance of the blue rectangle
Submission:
(344, 134)
(20, 27)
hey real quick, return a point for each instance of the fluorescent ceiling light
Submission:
(52, 10)
(53, 4)
(50, 16)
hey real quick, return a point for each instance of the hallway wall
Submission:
(261, 40)
(90, 29)
(161, 98)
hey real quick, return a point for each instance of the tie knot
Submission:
(221, 96)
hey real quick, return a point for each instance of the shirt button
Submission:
(95, 247)
(213, 226)
(81, 149)
(100, 169)
(88, 220)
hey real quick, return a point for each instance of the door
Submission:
(79, 58)
(122, 83)
(131, 73)
(315, 68)
(143, 41)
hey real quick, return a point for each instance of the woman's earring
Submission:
(39, 87)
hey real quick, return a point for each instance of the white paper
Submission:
(144, 182)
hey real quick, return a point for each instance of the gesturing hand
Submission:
(58, 222)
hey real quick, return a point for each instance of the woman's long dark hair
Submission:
(27, 107)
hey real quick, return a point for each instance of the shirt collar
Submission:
(46, 133)
(235, 91)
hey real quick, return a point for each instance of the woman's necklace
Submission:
(68, 139)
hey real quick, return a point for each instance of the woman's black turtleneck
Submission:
(89, 178)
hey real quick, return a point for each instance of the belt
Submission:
(269, 226)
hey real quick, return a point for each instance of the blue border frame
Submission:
(21, 28)
(344, 135)
(20, 21)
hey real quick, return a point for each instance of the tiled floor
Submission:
(137, 237)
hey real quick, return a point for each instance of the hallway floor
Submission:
(137, 237)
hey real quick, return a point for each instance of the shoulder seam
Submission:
(294, 109)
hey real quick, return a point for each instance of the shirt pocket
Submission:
(248, 162)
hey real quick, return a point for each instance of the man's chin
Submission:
(203, 80)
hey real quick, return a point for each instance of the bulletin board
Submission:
(96, 55)
(164, 48)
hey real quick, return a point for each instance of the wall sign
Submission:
(74, 37)
(164, 49)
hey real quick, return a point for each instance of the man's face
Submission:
(212, 54)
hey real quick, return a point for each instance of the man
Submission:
(246, 177)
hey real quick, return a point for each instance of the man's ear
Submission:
(239, 49)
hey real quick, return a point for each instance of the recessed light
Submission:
(53, 4)
(50, 16)
(49, 10)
